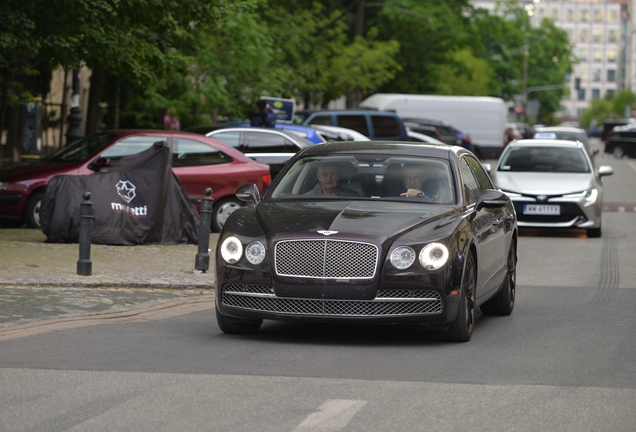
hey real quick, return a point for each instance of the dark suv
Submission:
(377, 125)
(621, 141)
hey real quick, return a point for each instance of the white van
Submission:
(484, 118)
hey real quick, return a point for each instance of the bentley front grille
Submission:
(386, 303)
(328, 259)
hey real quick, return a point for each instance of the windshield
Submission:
(367, 177)
(544, 159)
(81, 149)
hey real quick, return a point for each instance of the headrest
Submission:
(347, 171)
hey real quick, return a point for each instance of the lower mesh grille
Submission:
(387, 302)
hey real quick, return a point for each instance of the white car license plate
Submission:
(541, 209)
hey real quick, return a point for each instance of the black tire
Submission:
(221, 211)
(594, 232)
(618, 152)
(504, 301)
(31, 213)
(244, 327)
(461, 329)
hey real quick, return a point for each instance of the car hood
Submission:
(30, 171)
(543, 183)
(365, 219)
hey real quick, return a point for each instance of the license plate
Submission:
(541, 209)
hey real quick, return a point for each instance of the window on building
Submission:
(583, 35)
(598, 15)
(581, 95)
(596, 93)
(584, 15)
(611, 75)
(582, 54)
(596, 74)
(612, 36)
(597, 55)
(554, 14)
(597, 35)
(612, 17)
(570, 34)
(610, 93)
(583, 73)
(569, 15)
(611, 55)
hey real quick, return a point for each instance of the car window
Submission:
(445, 130)
(188, 153)
(355, 122)
(381, 178)
(231, 138)
(322, 120)
(480, 174)
(81, 149)
(384, 126)
(262, 142)
(130, 146)
(469, 182)
(544, 159)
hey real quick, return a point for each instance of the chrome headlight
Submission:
(4, 185)
(231, 250)
(255, 252)
(402, 257)
(590, 196)
(433, 256)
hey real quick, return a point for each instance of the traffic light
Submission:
(577, 83)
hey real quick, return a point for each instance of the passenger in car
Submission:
(328, 177)
(413, 178)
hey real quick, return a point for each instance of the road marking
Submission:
(138, 316)
(632, 165)
(621, 209)
(334, 415)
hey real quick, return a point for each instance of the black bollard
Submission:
(202, 261)
(85, 265)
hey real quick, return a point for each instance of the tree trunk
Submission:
(360, 18)
(12, 149)
(3, 101)
(94, 113)
(116, 103)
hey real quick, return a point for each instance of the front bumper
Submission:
(574, 213)
(389, 306)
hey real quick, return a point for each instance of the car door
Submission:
(487, 224)
(269, 147)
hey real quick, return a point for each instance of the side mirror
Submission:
(605, 170)
(248, 193)
(99, 164)
(491, 198)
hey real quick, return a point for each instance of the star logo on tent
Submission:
(126, 190)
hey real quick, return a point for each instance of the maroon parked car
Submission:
(198, 161)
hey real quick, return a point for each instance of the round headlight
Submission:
(402, 257)
(433, 256)
(231, 250)
(255, 252)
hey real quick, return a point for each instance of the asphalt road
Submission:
(563, 361)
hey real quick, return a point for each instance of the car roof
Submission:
(398, 148)
(358, 111)
(560, 129)
(288, 134)
(534, 142)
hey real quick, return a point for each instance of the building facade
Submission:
(602, 38)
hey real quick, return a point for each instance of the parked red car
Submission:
(198, 161)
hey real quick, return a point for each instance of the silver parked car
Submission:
(565, 133)
(553, 184)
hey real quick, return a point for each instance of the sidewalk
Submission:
(39, 285)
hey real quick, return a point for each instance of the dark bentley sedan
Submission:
(370, 232)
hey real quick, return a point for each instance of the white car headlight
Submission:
(231, 250)
(433, 256)
(402, 257)
(255, 252)
(590, 196)
(4, 185)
